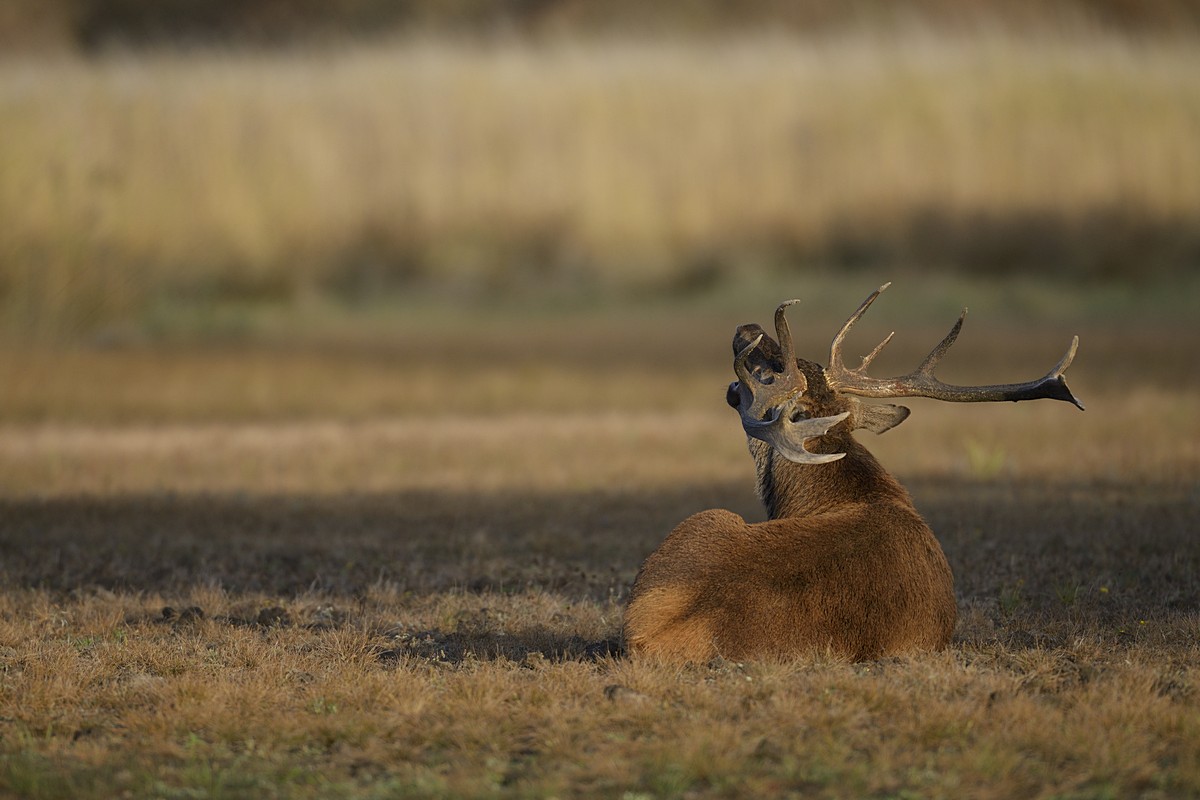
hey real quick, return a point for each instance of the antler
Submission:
(921, 381)
(769, 414)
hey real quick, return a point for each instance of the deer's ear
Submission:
(879, 419)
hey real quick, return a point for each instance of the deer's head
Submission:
(784, 400)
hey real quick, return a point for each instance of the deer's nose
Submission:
(732, 395)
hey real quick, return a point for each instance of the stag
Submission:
(844, 564)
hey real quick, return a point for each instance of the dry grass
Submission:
(211, 602)
(130, 186)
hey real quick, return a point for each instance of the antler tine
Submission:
(869, 357)
(739, 361)
(921, 382)
(935, 355)
(1056, 375)
(788, 437)
(835, 349)
(784, 333)
(1062, 365)
(791, 381)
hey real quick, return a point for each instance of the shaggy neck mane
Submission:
(797, 490)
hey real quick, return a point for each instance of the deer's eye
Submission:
(732, 395)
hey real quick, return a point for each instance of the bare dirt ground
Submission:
(356, 600)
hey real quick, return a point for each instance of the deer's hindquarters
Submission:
(662, 622)
(839, 582)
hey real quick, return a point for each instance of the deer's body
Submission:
(845, 563)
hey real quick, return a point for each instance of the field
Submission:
(345, 384)
(384, 568)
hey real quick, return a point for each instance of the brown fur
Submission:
(845, 563)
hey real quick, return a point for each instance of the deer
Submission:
(844, 564)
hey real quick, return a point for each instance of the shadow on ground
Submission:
(1027, 556)
(577, 544)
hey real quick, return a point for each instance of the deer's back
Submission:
(864, 580)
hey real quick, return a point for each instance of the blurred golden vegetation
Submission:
(136, 182)
(100, 24)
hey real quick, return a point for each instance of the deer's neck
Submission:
(788, 489)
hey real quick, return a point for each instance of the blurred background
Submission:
(260, 208)
(405, 325)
